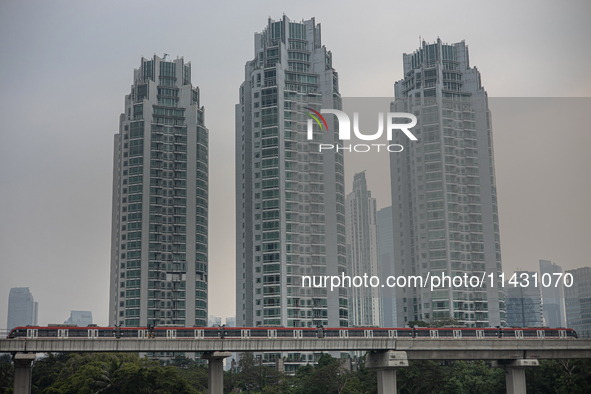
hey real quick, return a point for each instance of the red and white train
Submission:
(63, 331)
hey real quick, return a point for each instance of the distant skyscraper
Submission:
(230, 322)
(387, 266)
(552, 297)
(22, 308)
(365, 304)
(444, 199)
(524, 304)
(290, 204)
(214, 321)
(578, 302)
(80, 318)
(160, 201)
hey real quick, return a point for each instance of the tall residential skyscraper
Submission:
(22, 308)
(524, 304)
(365, 304)
(444, 199)
(577, 298)
(160, 201)
(290, 204)
(387, 265)
(552, 297)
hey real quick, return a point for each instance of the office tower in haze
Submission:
(577, 298)
(387, 266)
(444, 199)
(80, 318)
(290, 204)
(524, 304)
(22, 308)
(552, 296)
(160, 201)
(365, 303)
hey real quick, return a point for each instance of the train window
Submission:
(479, 333)
(392, 334)
(434, 334)
(518, 334)
(562, 334)
(245, 333)
(92, 333)
(297, 334)
(199, 334)
(457, 333)
(271, 333)
(368, 333)
(541, 334)
(344, 333)
(32, 333)
(171, 334)
(142, 334)
(62, 333)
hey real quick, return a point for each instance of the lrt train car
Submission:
(64, 331)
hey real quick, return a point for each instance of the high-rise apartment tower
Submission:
(444, 199)
(160, 201)
(290, 204)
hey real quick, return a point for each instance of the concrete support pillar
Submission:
(215, 381)
(279, 365)
(386, 362)
(515, 373)
(387, 381)
(23, 373)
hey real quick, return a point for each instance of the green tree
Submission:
(254, 378)
(560, 377)
(420, 377)
(6, 373)
(473, 377)
(328, 376)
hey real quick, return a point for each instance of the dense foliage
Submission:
(106, 373)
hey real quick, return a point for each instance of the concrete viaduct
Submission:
(385, 354)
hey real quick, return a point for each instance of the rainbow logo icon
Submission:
(317, 115)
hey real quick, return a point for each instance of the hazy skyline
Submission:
(68, 65)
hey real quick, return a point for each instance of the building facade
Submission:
(444, 200)
(80, 318)
(552, 297)
(365, 303)
(577, 299)
(160, 201)
(22, 308)
(387, 265)
(524, 304)
(290, 204)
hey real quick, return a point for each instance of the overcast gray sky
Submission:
(67, 65)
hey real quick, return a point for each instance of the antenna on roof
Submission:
(166, 54)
